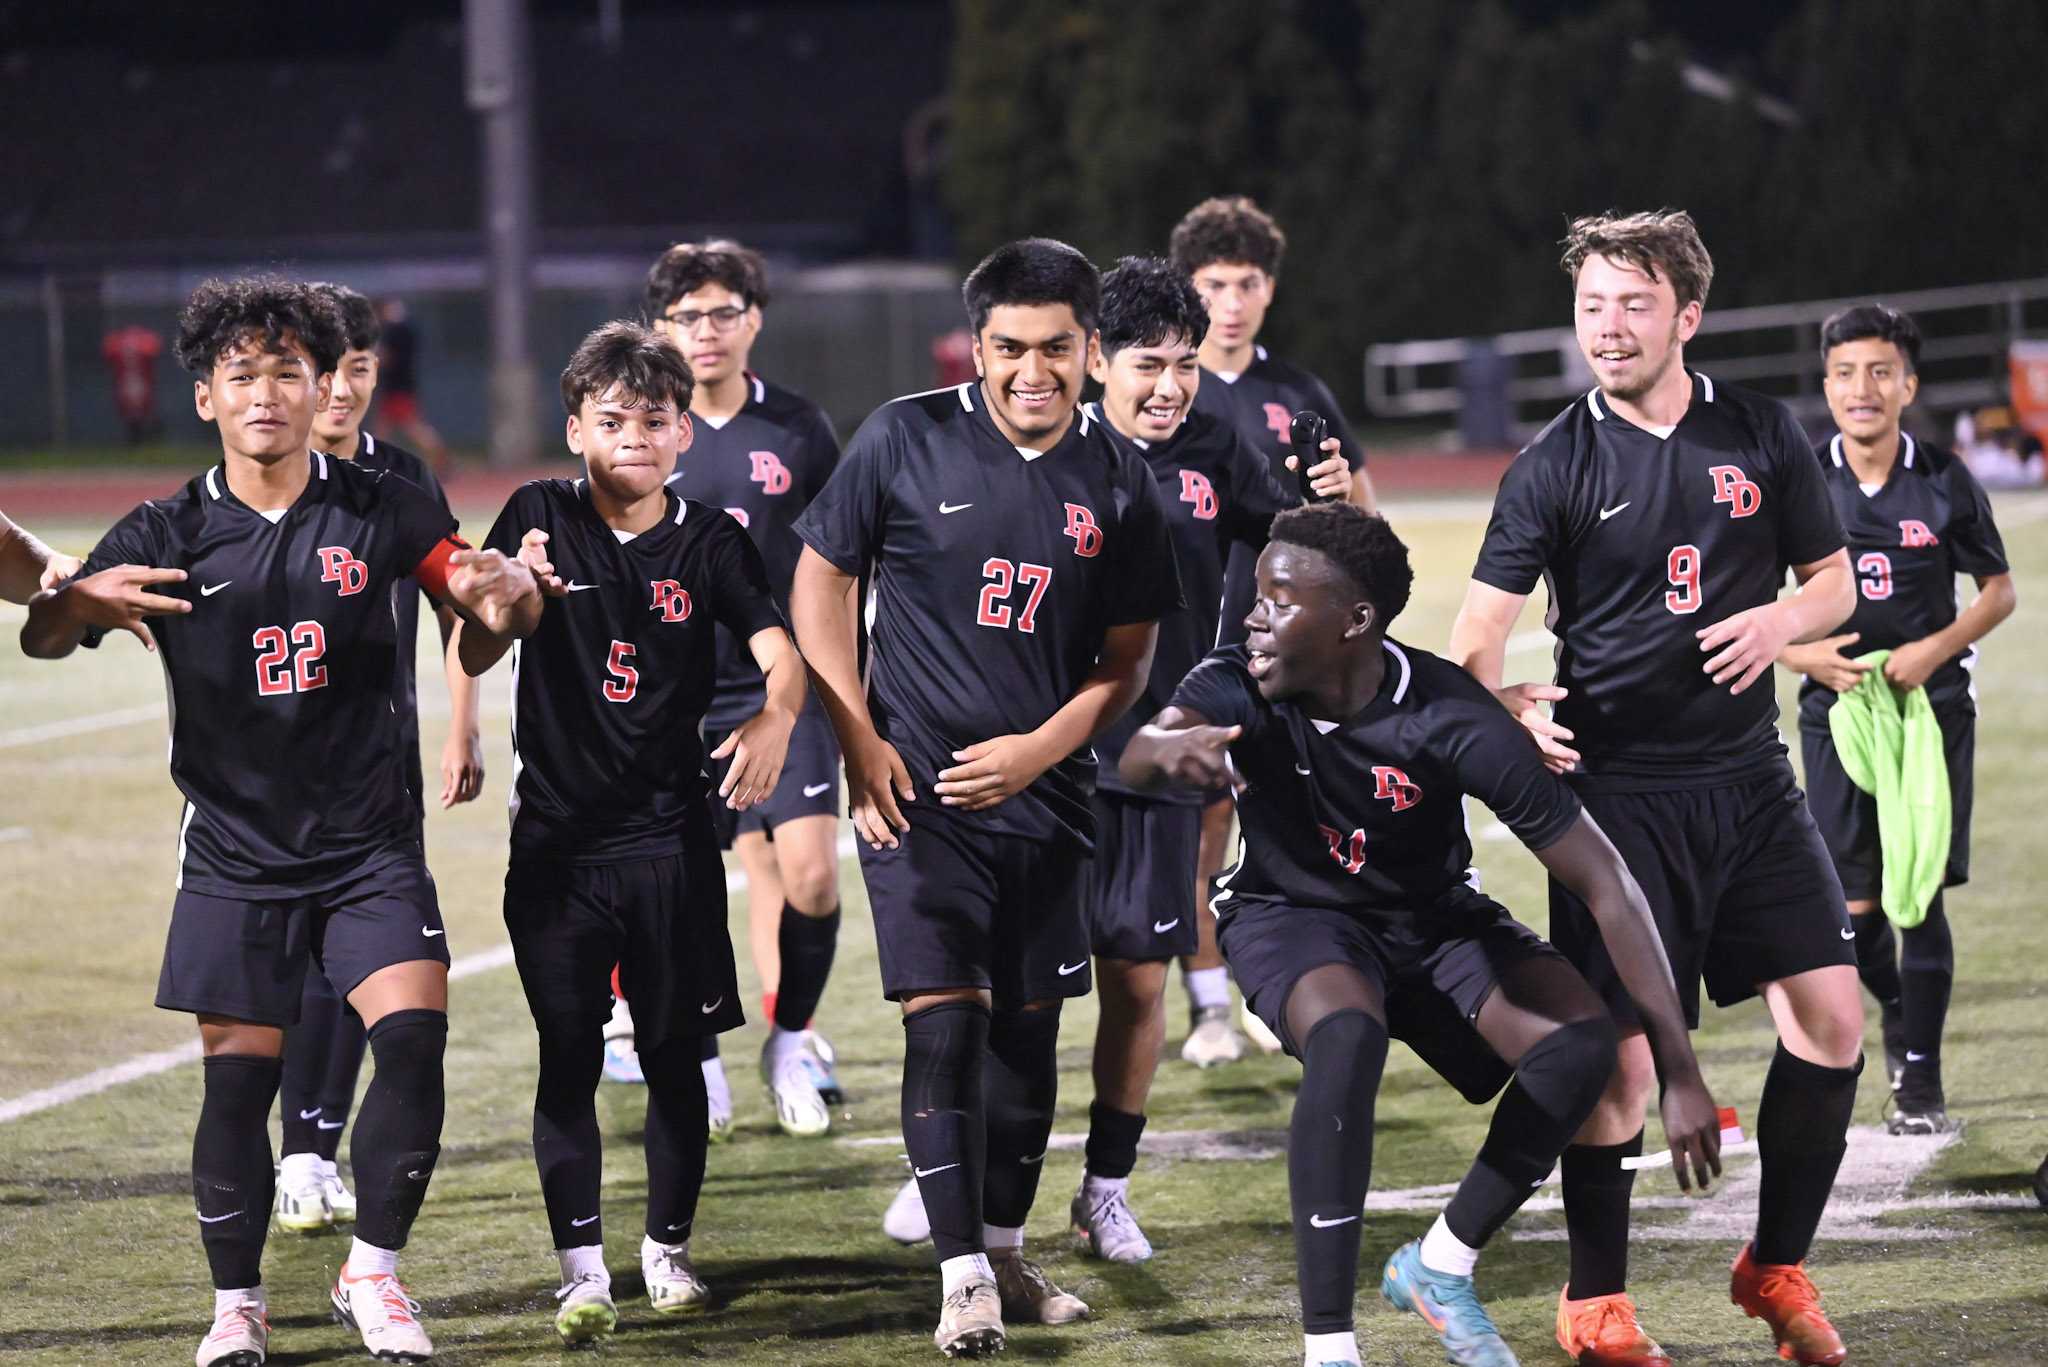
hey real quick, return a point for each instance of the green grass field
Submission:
(1929, 1256)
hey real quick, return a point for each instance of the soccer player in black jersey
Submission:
(265, 586)
(27, 566)
(1352, 914)
(1219, 493)
(762, 453)
(614, 854)
(1662, 509)
(1915, 518)
(323, 1052)
(1021, 562)
(1233, 249)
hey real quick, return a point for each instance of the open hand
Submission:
(117, 599)
(990, 772)
(1524, 703)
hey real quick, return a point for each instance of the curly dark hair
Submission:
(1872, 320)
(1359, 543)
(222, 315)
(688, 267)
(359, 321)
(1033, 270)
(1228, 228)
(627, 358)
(1661, 243)
(1149, 301)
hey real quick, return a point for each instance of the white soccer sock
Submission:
(368, 1260)
(1208, 987)
(298, 1170)
(1003, 1238)
(1317, 1349)
(583, 1260)
(781, 1045)
(1443, 1251)
(968, 1267)
(224, 1301)
(717, 1091)
(654, 1248)
(1095, 1188)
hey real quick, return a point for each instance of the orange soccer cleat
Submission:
(1782, 1296)
(1602, 1331)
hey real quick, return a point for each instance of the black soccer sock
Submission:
(807, 944)
(1928, 967)
(1329, 1162)
(1802, 1127)
(1877, 957)
(1112, 1140)
(567, 1147)
(397, 1138)
(1556, 1086)
(232, 1183)
(307, 1046)
(945, 1129)
(707, 1049)
(676, 1138)
(1021, 1084)
(1596, 1192)
(338, 1084)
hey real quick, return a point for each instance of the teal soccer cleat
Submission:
(1448, 1305)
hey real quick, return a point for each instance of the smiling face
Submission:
(1868, 386)
(1032, 359)
(1631, 329)
(1305, 623)
(1147, 390)
(263, 401)
(628, 446)
(348, 400)
(714, 328)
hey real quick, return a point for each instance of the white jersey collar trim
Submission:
(212, 487)
(1407, 672)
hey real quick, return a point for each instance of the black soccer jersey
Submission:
(1367, 815)
(1261, 403)
(762, 465)
(1219, 496)
(1643, 541)
(284, 683)
(997, 573)
(1908, 540)
(609, 691)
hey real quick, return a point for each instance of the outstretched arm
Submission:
(1479, 644)
(27, 565)
(1179, 748)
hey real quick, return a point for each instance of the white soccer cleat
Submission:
(971, 1321)
(377, 1307)
(240, 1337)
(1104, 1219)
(341, 1202)
(673, 1286)
(799, 1109)
(1268, 1042)
(822, 1059)
(301, 1205)
(1029, 1295)
(905, 1220)
(587, 1313)
(1212, 1040)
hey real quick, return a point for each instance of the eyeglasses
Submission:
(721, 319)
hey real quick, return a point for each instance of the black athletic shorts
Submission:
(1737, 878)
(955, 905)
(1847, 816)
(1434, 969)
(662, 921)
(1141, 887)
(809, 785)
(247, 960)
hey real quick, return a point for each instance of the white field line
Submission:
(163, 1060)
(80, 726)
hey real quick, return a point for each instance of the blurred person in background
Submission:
(131, 354)
(398, 355)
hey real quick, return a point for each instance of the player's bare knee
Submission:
(1634, 1078)
(811, 888)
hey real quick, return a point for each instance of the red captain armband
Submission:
(432, 572)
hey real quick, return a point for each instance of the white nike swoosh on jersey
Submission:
(953, 507)
(1302, 769)
(1161, 927)
(574, 587)
(927, 1172)
(588, 1219)
(330, 1124)
(813, 789)
(308, 1115)
(216, 1219)
(1606, 513)
(1848, 934)
(430, 932)
(207, 591)
(684, 1225)
(1068, 969)
(711, 1005)
(1912, 1057)
(1320, 1223)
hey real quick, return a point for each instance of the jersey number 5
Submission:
(276, 669)
(1682, 568)
(1004, 576)
(625, 680)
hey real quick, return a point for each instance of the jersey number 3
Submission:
(278, 671)
(1004, 576)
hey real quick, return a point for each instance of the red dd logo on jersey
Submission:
(739, 515)
(338, 565)
(1196, 489)
(1087, 534)
(1391, 785)
(1914, 532)
(1280, 420)
(1735, 489)
(769, 472)
(1348, 851)
(671, 600)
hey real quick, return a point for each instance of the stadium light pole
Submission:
(500, 90)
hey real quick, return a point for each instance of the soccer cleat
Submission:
(799, 1110)
(587, 1312)
(1106, 1222)
(621, 1059)
(377, 1307)
(971, 1321)
(673, 1286)
(1212, 1039)
(301, 1206)
(1783, 1297)
(1893, 1029)
(905, 1220)
(240, 1337)
(1256, 1030)
(1602, 1331)
(341, 1202)
(823, 1060)
(1918, 1106)
(1029, 1295)
(1448, 1305)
